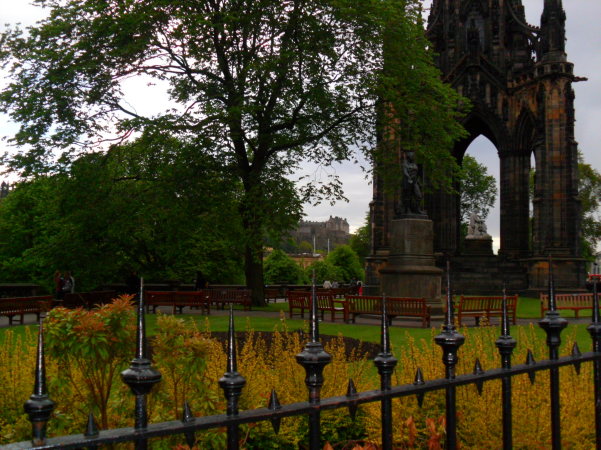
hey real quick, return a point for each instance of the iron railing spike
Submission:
(187, 415)
(478, 367)
(39, 407)
(419, 377)
(313, 359)
(530, 361)
(314, 320)
(449, 341)
(91, 427)
(273, 403)
(351, 390)
(553, 324)
(418, 381)
(385, 333)
(232, 383)
(575, 354)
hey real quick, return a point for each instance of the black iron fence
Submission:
(141, 377)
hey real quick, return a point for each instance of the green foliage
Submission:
(258, 85)
(93, 347)
(590, 197)
(148, 206)
(360, 240)
(478, 190)
(324, 270)
(347, 262)
(280, 268)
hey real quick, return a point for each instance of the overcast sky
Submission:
(583, 48)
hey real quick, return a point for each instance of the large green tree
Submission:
(260, 84)
(590, 197)
(144, 206)
(478, 189)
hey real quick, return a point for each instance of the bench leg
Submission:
(576, 313)
(477, 320)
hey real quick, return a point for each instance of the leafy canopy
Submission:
(246, 79)
(478, 189)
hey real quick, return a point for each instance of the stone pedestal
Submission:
(478, 246)
(411, 271)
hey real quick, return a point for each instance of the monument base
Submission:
(410, 270)
(478, 246)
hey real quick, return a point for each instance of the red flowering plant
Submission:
(91, 348)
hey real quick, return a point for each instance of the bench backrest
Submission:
(20, 305)
(299, 299)
(394, 305)
(583, 299)
(486, 303)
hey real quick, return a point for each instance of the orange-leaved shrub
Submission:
(191, 362)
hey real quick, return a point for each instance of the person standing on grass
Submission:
(58, 285)
(68, 283)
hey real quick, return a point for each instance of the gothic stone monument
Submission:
(410, 270)
(519, 81)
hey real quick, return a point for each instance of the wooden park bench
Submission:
(222, 297)
(177, 299)
(395, 307)
(19, 306)
(272, 294)
(87, 300)
(485, 306)
(575, 302)
(326, 302)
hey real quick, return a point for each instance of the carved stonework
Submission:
(520, 83)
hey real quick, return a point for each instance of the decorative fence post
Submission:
(553, 324)
(39, 406)
(450, 341)
(506, 344)
(232, 383)
(141, 376)
(594, 330)
(314, 358)
(385, 362)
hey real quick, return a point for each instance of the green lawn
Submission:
(527, 308)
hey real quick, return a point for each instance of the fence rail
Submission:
(141, 376)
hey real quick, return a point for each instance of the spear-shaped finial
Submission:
(385, 334)
(314, 322)
(552, 303)
(39, 406)
(449, 325)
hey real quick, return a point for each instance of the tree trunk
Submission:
(253, 261)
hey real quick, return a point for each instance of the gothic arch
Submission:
(518, 79)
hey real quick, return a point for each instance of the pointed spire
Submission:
(351, 392)
(274, 405)
(553, 32)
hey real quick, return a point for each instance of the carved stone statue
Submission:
(411, 196)
(477, 228)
